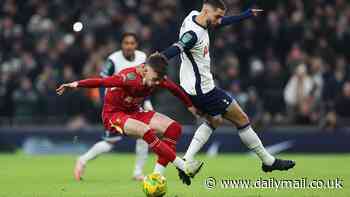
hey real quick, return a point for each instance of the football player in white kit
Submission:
(197, 81)
(127, 57)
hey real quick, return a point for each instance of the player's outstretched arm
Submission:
(179, 93)
(114, 81)
(229, 20)
(60, 90)
(108, 82)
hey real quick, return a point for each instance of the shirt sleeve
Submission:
(108, 82)
(229, 20)
(187, 41)
(108, 68)
(176, 91)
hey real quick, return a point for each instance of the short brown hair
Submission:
(159, 63)
(216, 3)
(128, 34)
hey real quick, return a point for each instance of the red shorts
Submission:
(115, 122)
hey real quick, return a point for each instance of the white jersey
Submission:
(117, 62)
(120, 62)
(195, 74)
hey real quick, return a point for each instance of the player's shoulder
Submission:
(131, 73)
(140, 54)
(192, 13)
(115, 55)
(128, 70)
(188, 21)
(190, 24)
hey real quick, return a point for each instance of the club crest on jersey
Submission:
(131, 76)
(206, 51)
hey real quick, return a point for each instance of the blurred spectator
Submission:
(330, 122)
(236, 91)
(339, 116)
(6, 101)
(231, 64)
(26, 102)
(342, 103)
(316, 74)
(253, 107)
(299, 87)
(74, 106)
(334, 79)
(256, 75)
(273, 84)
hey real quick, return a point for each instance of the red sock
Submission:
(159, 147)
(171, 136)
(163, 161)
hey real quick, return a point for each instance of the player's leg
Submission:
(159, 123)
(213, 104)
(201, 136)
(248, 136)
(236, 115)
(139, 129)
(103, 146)
(171, 132)
(141, 150)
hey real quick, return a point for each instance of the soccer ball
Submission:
(154, 185)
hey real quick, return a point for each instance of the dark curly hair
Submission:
(216, 3)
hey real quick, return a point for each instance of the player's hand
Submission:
(194, 111)
(65, 86)
(256, 12)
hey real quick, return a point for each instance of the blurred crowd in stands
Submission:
(289, 66)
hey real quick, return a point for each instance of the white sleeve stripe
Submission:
(179, 46)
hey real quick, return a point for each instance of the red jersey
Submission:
(126, 91)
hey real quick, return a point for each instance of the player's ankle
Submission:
(82, 160)
(188, 158)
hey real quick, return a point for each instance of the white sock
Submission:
(200, 137)
(141, 150)
(252, 141)
(158, 168)
(96, 150)
(179, 163)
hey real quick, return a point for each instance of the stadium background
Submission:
(289, 69)
(254, 60)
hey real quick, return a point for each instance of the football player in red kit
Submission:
(122, 112)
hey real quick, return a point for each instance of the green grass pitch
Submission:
(110, 176)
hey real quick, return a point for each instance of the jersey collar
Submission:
(194, 20)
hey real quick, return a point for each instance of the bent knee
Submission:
(176, 126)
(144, 129)
(174, 130)
(216, 121)
(243, 120)
(136, 128)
